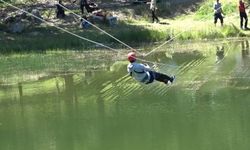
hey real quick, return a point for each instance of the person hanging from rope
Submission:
(143, 73)
(153, 9)
(243, 14)
(218, 13)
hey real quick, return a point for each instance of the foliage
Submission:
(231, 31)
(229, 8)
(205, 10)
(211, 33)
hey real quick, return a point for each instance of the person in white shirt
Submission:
(218, 12)
(143, 73)
(153, 9)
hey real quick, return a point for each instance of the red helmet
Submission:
(131, 57)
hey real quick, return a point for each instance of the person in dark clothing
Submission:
(60, 11)
(144, 74)
(220, 54)
(218, 12)
(243, 14)
(153, 10)
(83, 3)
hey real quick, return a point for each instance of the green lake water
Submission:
(86, 101)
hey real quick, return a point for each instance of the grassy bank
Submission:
(134, 29)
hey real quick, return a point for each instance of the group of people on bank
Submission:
(142, 72)
(218, 13)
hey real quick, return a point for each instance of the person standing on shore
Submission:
(218, 12)
(153, 9)
(243, 14)
(83, 3)
(60, 10)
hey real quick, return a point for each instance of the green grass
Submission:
(132, 35)
(212, 33)
(51, 38)
(205, 10)
(230, 31)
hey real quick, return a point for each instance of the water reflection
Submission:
(107, 110)
(242, 68)
(219, 53)
(245, 47)
(245, 51)
(70, 90)
(20, 89)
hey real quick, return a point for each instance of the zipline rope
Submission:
(98, 28)
(51, 24)
(144, 55)
(118, 39)
(123, 42)
(78, 36)
(155, 63)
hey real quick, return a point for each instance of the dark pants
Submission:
(83, 4)
(218, 16)
(159, 77)
(60, 12)
(243, 15)
(154, 16)
(82, 8)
